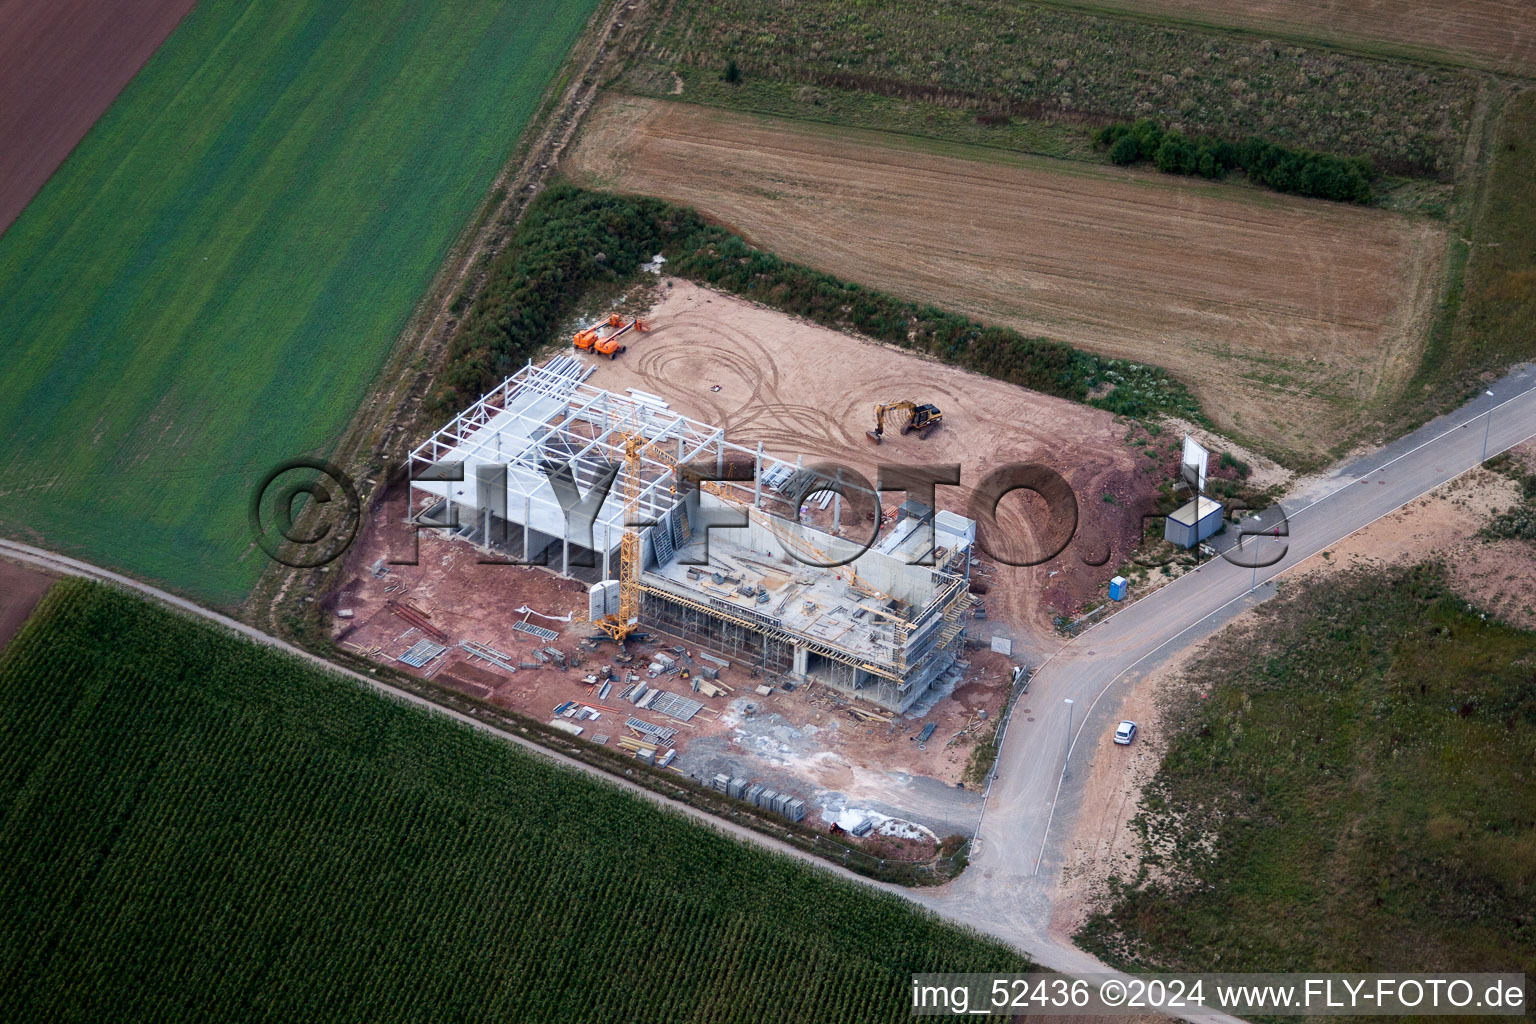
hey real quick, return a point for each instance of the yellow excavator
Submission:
(924, 419)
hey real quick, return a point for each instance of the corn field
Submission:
(196, 827)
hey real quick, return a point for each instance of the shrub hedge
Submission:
(1319, 175)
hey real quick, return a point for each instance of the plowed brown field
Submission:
(62, 64)
(1285, 316)
(1496, 34)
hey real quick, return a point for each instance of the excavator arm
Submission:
(889, 407)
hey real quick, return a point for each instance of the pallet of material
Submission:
(564, 726)
(673, 706)
(487, 654)
(421, 652)
(532, 630)
(644, 751)
(415, 617)
(660, 732)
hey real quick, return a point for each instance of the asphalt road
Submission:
(1006, 890)
(1029, 810)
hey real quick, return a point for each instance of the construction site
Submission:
(640, 563)
(555, 471)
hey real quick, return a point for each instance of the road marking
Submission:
(1045, 837)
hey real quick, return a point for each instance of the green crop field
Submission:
(196, 827)
(211, 281)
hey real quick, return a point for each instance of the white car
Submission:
(1125, 732)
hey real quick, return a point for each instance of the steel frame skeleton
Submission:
(540, 418)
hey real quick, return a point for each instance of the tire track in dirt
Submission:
(807, 392)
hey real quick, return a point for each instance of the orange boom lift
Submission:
(593, 339)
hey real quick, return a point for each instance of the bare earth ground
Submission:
(806, 390)
(61, 65)
(1284, 315)
(1443, 524)
(1497, 34)
(20, 590)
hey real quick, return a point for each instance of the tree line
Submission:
(1344, 179)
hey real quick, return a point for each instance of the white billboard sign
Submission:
(1196, 459)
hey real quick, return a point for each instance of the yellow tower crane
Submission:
(619, 625)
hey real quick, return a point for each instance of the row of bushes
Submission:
(1319, 175)
(571, 239)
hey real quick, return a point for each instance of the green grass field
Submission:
(195, 827)
(211, 281)
(1356, 791)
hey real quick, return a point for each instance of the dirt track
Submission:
(61, 65)
(1498, 34)
(1284, 314)
(805, 390)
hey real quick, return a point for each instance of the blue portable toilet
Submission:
(1117, 588)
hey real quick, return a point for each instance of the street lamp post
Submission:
(1487, 426)
(1068, 755)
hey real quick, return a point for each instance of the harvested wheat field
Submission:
(1495, 34)
(61, 65)
(1283, 315)
(806, 390)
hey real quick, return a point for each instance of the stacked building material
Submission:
(415, 617)
(421, 652)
